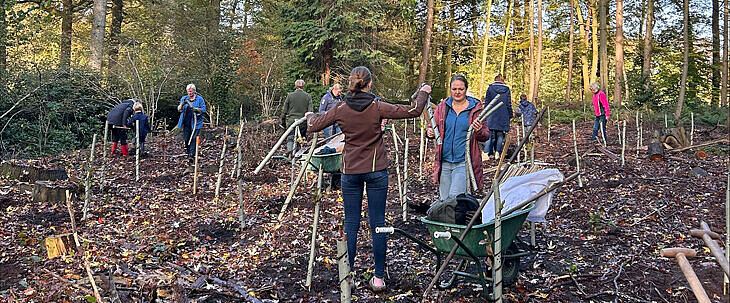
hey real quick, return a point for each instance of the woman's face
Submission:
(458, 90)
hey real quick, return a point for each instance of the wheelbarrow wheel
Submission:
(510, 266)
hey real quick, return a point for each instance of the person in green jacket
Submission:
(296, 104)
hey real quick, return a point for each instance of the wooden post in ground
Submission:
(87, 193)
(397, 163)
(727, 225)
(549, 125)
(220, 166)
(195, 172)
(603, 135)
(313, 242)
(238, 178)
(343, 268)
(692, 129)
(404, 201)
(497, 264)
(136, 152)
(519, 152)
(666, 124)
(420, 153)
(89, 273)
(302, 170)
(236, 166)
(577, 156)
(623, 145)
(103, 155)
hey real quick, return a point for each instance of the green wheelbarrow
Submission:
(472, 253)
(331, 163)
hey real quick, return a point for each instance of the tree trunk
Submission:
(570, 53)
(3, 44)
(64, 59)
(646, 68)
(96, 43)
(531, 15)
(584, 54)
(231, 21)
(426, 43)
(594, 41)
(619, 77)
(114, 31)
(327, 62)
(716, 62)
(538, 55)
(506, 35)
(723, 88)
(603, 49)
(484, 52)
(685, 63)
(449, 46)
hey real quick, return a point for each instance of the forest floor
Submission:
(160, 242)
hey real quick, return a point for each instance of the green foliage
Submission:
(565, 116)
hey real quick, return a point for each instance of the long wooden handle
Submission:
(694, 282)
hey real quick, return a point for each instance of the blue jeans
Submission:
(597, 125)
(452, 181)
(190, 144)
(331, 130)
(377, 188)
(495, 142)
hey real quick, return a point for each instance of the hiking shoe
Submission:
(376, 289)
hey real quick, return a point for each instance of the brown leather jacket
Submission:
(359, 118)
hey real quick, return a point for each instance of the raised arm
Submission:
(399, 111)
(316, 122)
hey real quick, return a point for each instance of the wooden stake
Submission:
(497, 266)
(313, 242)
(397, 163)
(727, 225)
(89, 273)
(195, 173)
(343, 268)
(420, 153)
(236, 172)
(603, 136)
(87, 195)
(519, 137)
(238, 179)
(549, 125)
(278, 143)
(404, 201)
(136, 153)
(623, 145)
(692, 130)
(666, 125)
(577, 156)
(103, 162)
(220, 166)
(302, 170)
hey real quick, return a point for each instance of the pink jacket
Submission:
(476, 154)
(600, 96)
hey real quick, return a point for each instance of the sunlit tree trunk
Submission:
(538, 55)
(327, 62)
(449, 45)
(646, 67)
(716, 62)
(64, 59)
(97, 35)
(619, 77)
(594, 40)
(3, 44)
(506, 36)
(531, 15)
(603, 48)
(723, 88)
(484, 52)
(114, 31)
(584, 53)
(571, 48)
(426, 43)
(685, 63)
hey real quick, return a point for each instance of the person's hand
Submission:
(383, 124)
(307, 114)
(426, 88)
(476, 125)
(197, 110)
(429, 132)
(179, 107)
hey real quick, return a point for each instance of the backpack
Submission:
(457, 210)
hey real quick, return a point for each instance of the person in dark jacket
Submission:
(296, 104)
(329, 101)
(527, 110)
(191, 108)
(453, 116)
(365, 160)
(117, 118)
(144, 126)
(498, 122)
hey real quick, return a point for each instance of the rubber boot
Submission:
(125, 150)
(141, 150)
(114, 148)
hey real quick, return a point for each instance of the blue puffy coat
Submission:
(144, 124)
(499, 120)
(528, 111)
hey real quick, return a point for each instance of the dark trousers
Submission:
(119, 135)
(600, 120)
(377, 188)
(190, 144)
(495, 142)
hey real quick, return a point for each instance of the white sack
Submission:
(520, 188)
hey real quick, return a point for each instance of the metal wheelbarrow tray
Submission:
(331, 163)
(472, 252)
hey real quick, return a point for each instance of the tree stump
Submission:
(44, 191)
(31, 174)
(59, 245)
(656, 151)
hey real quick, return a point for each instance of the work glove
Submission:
(197, 110)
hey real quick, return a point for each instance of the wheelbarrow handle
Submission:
(442, 235)
(384, 230)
